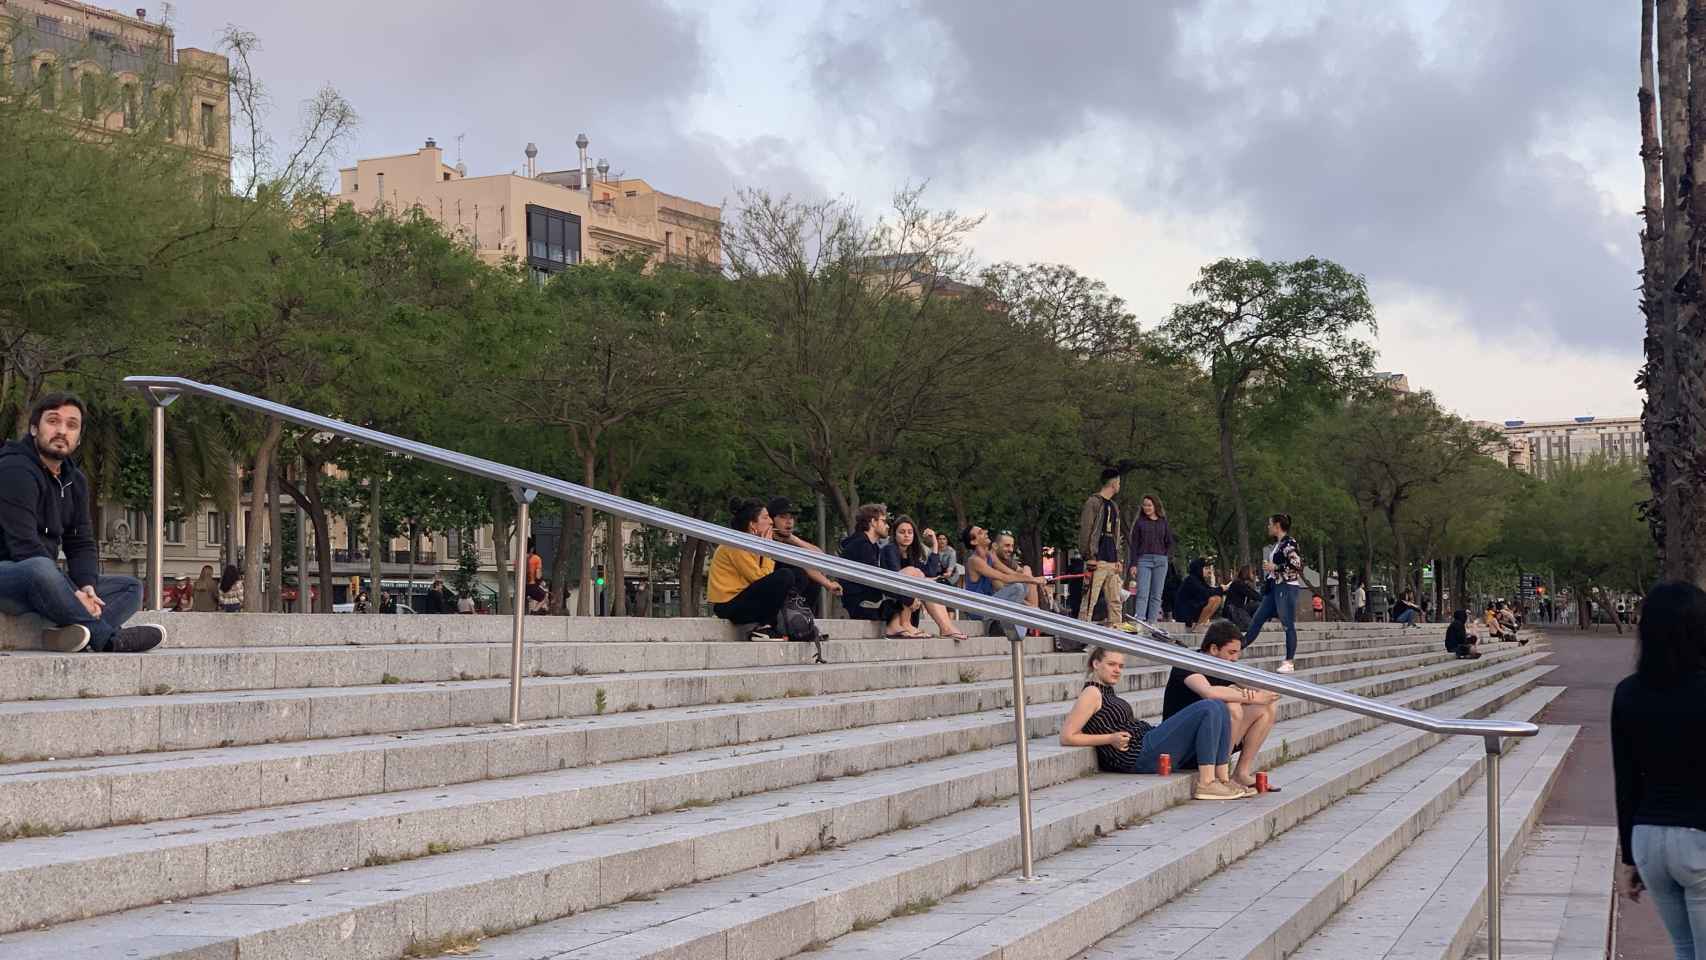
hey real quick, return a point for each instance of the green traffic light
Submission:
(601, 581)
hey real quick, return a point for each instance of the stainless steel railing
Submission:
(525, 485)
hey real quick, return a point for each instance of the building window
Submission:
(553, 239)
(668, 242)
(215, 529)
(447, 178)
(130, 106)
(89, 86)
(168, 113)
(379, 181)
(631, 193)
(47, 77)
(209, 133)
(689, 241)
(174, 530)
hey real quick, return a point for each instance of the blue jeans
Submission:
(1199, 735)
(1672, 861)
(37, 586)
(1281, 599)
(1408, 616)
(1151, 580)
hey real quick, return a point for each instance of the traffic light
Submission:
(600, 578)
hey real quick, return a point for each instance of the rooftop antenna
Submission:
(459, 138)
(532, 152)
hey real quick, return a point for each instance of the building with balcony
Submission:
(547, 220)
(115, 72)
(1542, 447)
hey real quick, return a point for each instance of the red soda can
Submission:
(1261, 783)
(1164, 766)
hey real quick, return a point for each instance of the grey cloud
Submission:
(1347, 136)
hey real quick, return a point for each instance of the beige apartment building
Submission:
(547, 220)
(1542, 447)
(114, 71)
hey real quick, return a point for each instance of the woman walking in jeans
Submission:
(1661, 813)
(1151, 546)
(1283, 584)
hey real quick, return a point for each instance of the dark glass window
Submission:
(553, 239)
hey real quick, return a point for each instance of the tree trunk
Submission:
(501, 503)
(650, 544)
(589, 467)
(322, 536)
(1229, 473)
(1400, 557)
(615, 573)
(255, 540)
(1341, 561)
(304, 592)
(275, 550)
(376, 543)
(233, 496)
(688, 575)
(560, 562)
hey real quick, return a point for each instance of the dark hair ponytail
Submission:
(1283, 519)
(744, 511)
(1672, 634)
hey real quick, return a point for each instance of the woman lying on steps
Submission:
(1252, 712)
(1198, 736)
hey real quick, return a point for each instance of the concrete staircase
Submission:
(340, 786)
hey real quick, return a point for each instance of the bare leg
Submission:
(1030, 588)
(1249, 737)
(1208, 611)
(1236, 715)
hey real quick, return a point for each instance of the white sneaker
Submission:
(70, 638)
(1287, 667)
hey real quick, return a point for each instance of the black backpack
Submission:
(795, 621)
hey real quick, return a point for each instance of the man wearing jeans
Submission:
(44, 504)
(1101, 541)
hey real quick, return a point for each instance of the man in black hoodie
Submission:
(44, 505)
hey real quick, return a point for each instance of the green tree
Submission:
(1271, 335)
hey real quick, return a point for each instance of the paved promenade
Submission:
(1590, 664)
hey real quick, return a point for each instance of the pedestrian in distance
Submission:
(205, 592)
(1101, 542)
(231, 589)
(1151, 547)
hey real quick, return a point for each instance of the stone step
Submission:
(340, 629)
(1266, 904)
(776, 911)
(1559, 902)
(284, 842)
(1094, 888)
(85, 793)
(52, 676)
(515, 881)
(1430, 900)
(128, 725)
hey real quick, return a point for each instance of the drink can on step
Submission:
(1164, 765)
(1261, 783)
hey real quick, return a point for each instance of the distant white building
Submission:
(1541, 447)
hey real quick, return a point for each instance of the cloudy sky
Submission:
(1474, 159)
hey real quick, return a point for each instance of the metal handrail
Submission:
(526, 484)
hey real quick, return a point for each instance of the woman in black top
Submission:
(1661, 794)
(905, 554)
(1458, 639)
(1198, 736)
(1199, 597)
(1252, 712)
(1242, 597)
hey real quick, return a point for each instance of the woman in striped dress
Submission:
(1198, 736)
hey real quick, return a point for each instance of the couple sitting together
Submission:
(1204, 720)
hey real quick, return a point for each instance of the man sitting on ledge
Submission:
(44, 503)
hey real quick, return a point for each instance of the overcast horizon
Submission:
(1476, 161)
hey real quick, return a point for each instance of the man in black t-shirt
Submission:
(871, 525)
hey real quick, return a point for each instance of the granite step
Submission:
(129, 725)
(378, 911)
(1559, 902)
(1431, 900)
(284, 842)
(1267, 903)
(776, 911)
(84, 793)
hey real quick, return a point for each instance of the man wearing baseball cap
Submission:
(807, 582)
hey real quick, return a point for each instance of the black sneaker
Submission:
(67, 639)
(136, 639)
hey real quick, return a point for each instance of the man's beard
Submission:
(50, 453)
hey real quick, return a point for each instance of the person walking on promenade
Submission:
(231, 590)
(1661, 795)
(205, 592)
(1282, 586)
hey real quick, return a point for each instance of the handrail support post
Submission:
(523, 500)
(158, 400)
(1495, 891)
(1021, 747)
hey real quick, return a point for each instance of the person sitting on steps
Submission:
(1405, 610)
(1252, 712)
(44, 506)
(864, 545)
(1200, 597)
(810, 582)
(745, 588)
(989, 575)
(1459, 642)
(905, 552)
(1197, 737)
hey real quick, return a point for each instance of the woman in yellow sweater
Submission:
(744, 587)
